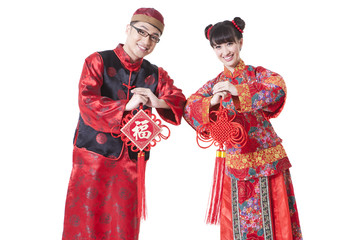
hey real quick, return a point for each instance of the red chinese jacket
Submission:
(104, 90)
(261, 96)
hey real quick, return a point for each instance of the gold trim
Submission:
(221, 154)
(205, 110)
(244, 97)
(255, 159)
(148, 19)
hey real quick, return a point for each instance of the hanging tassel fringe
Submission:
(214, 208)
(141, 185)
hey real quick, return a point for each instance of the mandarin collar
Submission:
(126, 60)
(237, 71)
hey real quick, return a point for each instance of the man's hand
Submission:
(135, 102)
(152, 100)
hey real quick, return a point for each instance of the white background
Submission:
(313, 44)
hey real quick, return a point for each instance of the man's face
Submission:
(137, 46)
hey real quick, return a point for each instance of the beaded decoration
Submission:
(208, 32)
(237, 27)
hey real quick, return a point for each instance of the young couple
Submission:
(257, 198)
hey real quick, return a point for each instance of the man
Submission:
(102, 194)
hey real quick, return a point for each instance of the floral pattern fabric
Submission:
(261, 96)
(251, 211)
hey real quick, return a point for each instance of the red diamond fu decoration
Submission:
(141, 130)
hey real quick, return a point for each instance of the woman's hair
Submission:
(226, 31)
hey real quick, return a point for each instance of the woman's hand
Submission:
(152, 100)
(217, 97)
(225, 86)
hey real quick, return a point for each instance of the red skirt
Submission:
(102, 198)
(262, 208)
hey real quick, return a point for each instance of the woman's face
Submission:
(229, 53)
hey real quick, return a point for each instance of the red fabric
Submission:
(226, 229)
(285, 220)
(280, 208)
(213, 215)
(264, 98)
(173, 96)
(294, 215)
(151, 12)
(126, 60)
(102, 198)
(141, 164)
(103, 113)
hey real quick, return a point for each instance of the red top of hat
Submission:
(151, 12)
(149, 15)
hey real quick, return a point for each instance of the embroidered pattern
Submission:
(259, 171)
(295, 224)
(237, 71)
(244, 97)
(235, 210)
(278, 81)
(205, 110)
(253, 159)
(249, 209)
(265, 207)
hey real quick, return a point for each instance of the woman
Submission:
(257, 197)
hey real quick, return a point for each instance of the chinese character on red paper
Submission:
(141, 130)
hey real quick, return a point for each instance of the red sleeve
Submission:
(197, 107)
(99, 112)
(267, 93)
(173, 96)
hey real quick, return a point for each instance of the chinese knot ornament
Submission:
(141, 130)
(221, 131)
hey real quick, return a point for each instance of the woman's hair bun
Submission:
(207, 34)
(240, 23)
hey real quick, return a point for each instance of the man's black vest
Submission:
(113, 82)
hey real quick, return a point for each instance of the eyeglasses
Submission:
(144, 33)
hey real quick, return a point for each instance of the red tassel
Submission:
(214, 208)
(141, 185)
